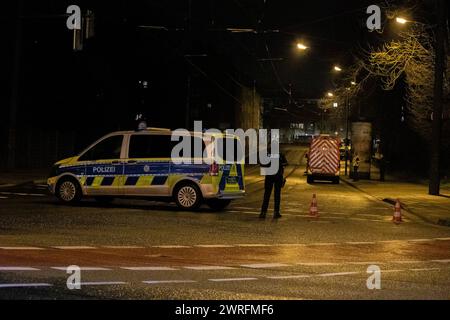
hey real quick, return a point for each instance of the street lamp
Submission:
(401, 20)
(301, 46)
(330, 94)
(337, 68)
(353, 83)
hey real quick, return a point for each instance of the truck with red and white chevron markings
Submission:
(323, 159)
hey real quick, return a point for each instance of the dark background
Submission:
(68, 99)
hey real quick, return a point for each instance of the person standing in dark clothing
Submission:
(355, 167)
(274, 181)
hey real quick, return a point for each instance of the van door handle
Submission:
(131, 161)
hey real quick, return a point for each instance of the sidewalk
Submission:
(414, 197)
(22, 176)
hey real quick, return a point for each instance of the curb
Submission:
(21, 184)
(392, 201)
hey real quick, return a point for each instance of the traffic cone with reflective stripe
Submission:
(397, 218)
(313, 211)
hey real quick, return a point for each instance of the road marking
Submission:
(442, 261)
(74, 247)
(18, 269)
(172, 247)
(264, 265)
(442, 239)
(6, 193)
(290, 277)
(405, 261)
(21, 248)
(253, 245)
(232, 279)
(3, 197)
(168, 281)
(337, 274)
(244, 208)
(214, 245)
(311, 264)
(420, 240)
(102, 283)
(393, 270)
(363, 263)
(123, 247)
(361, 242)
(322, 244)
(149, 268)
(83, 268)
(24, 285)
(425, 269)
(209, 268)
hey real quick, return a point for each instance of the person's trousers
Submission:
(269, 184)
(355, 173)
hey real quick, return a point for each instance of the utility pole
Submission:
(439, 67)
(347, 107)
(15, 82)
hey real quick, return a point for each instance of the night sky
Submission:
(97, 89)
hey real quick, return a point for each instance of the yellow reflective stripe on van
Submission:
(144, 181)
(97, 182)
(82, 180)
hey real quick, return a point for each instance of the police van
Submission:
(138, 164)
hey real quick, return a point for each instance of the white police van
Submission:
(139, 164)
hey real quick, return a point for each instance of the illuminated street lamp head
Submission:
(301, 46)
(401, 20)
(330, 94)
(353, 83)
(337, 68)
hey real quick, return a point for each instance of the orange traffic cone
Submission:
(397, 218)
(313, 211)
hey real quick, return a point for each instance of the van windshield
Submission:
(229, 149)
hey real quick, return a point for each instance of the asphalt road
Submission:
(134, 249)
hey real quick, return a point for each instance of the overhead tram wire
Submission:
(212, 80)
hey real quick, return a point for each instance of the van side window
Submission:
(150, 146)
(106, 149)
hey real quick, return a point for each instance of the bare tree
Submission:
(410, 57)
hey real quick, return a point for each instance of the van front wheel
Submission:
(218, 204)
(187, 196)
(68, 190)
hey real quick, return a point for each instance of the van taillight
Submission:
(214, 169)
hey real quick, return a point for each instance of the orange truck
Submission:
(323, 159)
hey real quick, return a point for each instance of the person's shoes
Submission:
(277, 216)
(262, 215)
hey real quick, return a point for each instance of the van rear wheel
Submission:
(187, 196)
(218, 204)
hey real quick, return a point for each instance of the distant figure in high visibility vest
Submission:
(355, 167)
